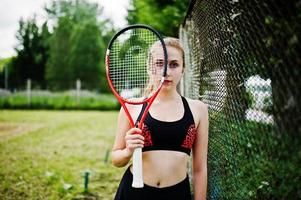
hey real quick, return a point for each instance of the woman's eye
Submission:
(159, 64)
(173, 65)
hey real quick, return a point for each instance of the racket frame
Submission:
(137, 156)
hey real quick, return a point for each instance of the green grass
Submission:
(43, 154)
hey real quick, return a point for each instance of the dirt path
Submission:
(8, 130)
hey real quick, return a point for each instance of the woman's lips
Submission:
(167, 81)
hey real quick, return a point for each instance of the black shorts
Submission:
(179, 191)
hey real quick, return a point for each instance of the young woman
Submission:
(174, 127)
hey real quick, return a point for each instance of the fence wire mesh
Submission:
(243, 60)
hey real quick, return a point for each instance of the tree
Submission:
(58, 71)
(78, 44)
(4, 65)
(165, 16)
(31, 54)
(86, 53)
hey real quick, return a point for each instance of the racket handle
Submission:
(137, 168)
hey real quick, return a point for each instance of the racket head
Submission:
(136, 63)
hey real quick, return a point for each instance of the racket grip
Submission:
(137, 169)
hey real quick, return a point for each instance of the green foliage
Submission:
(78, 45)
(58, 71)
(4, 67)
(59, 101)
(31, 55)
(84, 57)
(3, 62)
(268, 105)
(76, 10)
(165, 16)
(74, 50)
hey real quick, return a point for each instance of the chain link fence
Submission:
(243, 60)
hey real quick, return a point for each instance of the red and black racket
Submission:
(136, 64)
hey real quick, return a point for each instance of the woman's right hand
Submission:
(133, 140)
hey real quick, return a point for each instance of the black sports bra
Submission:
(175, 136)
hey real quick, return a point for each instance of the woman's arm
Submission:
(200, 150)
(125, 141)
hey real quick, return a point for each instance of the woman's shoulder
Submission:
(198, 108)
(196, 104)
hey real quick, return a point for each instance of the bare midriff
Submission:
(164, 168)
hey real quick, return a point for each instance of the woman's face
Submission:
(174, 68)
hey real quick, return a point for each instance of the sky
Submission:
(12, 10)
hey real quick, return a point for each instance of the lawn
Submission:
(44, 154)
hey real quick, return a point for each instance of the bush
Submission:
(59, 101)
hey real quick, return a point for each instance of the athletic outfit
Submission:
(159, 135)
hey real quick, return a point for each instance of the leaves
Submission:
(165, 16)
(78, 45)
(73, 49)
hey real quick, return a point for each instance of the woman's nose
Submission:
(167, 71)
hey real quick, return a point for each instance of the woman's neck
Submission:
(167, 95)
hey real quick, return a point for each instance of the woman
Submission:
(167, 138)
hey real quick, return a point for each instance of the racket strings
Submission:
(134, 68)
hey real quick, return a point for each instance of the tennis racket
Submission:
(136, 64)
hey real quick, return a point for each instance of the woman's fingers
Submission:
(133, 146)
(131, 142)
(137, 141)
(134, 131)
(134, 139)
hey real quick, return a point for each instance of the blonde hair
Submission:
(169, 42)
(175, 42)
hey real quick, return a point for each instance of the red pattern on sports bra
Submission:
(147, 136)
(190, 137)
